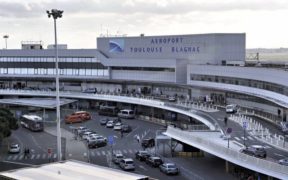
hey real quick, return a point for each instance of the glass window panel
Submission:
(88, 72)
(30, 71)
(82, 72)
(69, 72)
(10, 70)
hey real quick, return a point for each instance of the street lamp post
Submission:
(6, 37)
(57, 14)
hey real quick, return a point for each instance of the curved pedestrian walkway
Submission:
(74, 149)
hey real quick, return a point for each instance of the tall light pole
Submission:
(6, 37)
(57, 14)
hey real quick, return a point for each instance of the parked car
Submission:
(231, 108)
(169, 168)
(117, 157)
(142, 155)
(127, 164)
(14, 148)
(84, 131)
(255, 150)
(92, 136)
(80, 129)
(148, 142)
(283, 161)
(96, 144)
(104, 121)
(97, 138)
(118, 126)
(126, 128)
(154, 161)
(110, 124)
(85, 135)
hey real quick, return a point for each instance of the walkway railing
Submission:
(259, 165)
(147, 101)
(257, 130)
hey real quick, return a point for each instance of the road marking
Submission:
(237, 138)
(142, 167)
(9, 157)
(243, 138)
(38, 156)
(132, 131)
(124, 150)
(279, 155)
(32, 157)
(103, 152)
(249, 137)
(108, 153)
(15, 157)
(130, 151)
(21, 157)
(267, 147)
(98, 153)
(238, 144)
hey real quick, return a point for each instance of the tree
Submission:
(7, 122)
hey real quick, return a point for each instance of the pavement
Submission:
(74, 149)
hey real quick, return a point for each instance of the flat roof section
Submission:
(48, 103)
(70, 169)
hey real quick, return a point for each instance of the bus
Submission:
(127, 114)
(108, 110)
(32, 122)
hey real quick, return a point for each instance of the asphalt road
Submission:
(245, 138)
(127, 145)
(37, 142)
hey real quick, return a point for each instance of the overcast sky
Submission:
(263, 21)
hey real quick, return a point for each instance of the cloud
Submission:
(33, 8)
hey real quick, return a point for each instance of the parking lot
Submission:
(127, 144)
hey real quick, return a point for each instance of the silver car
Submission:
(117, 157)
(283, 161)
(14, 148)
(127, 164)
(169, 168)
(255, 150)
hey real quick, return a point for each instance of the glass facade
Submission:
(144, 69)
(281, 89)
(68, 66)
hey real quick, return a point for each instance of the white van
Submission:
(126, 113)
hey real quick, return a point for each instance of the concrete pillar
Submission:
(227, 166)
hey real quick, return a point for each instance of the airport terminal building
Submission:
(197, 67)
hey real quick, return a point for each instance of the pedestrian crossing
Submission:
(93, 153)
(19, 157)
(108, 152)
(244, 138)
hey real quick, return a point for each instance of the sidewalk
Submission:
(74, 149)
